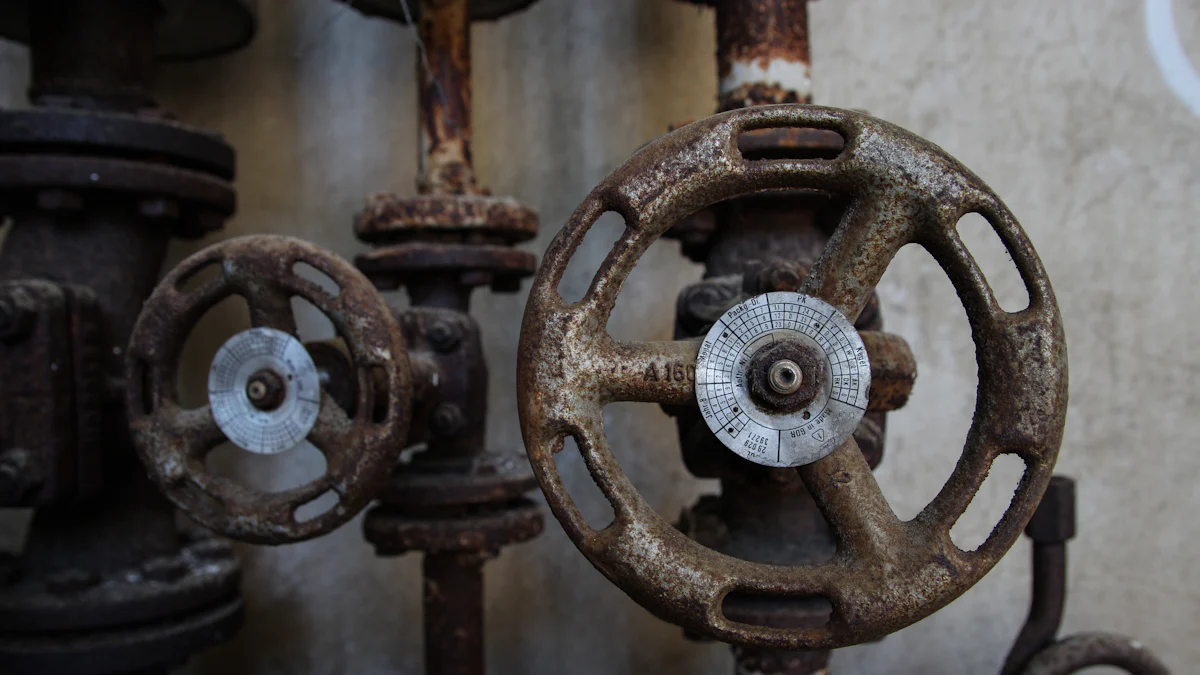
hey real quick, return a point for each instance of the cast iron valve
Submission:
(264, 390)
(886, 573)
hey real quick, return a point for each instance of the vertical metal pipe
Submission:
(445, 98)
(1050, 528)
(763, 54)
(1049, 595)
(92, 53)
(454, 613)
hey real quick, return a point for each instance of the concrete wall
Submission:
(1061, 106)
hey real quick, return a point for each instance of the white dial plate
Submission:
(261, 431)
(756, 432)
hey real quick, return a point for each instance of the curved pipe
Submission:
(1072, 654)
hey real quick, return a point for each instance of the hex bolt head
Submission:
(444, 336)
(446, 419)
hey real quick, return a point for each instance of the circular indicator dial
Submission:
(264, 391)
(782, 379)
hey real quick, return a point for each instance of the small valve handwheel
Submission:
(886, 573)
(264, 392)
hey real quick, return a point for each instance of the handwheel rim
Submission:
(918, 194)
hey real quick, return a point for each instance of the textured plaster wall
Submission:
(1060, 106)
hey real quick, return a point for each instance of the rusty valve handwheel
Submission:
(886, 573)
(173, 441)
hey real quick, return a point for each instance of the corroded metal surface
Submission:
(142, 648)
(199, 574)
(52, 393)
(191, 203)
(1078, 653)
(484, 478)
(173, 441)
(445, 98)
(762, 52)
(453, 598)
(1052, 526)
(115, 134)
(95, 180)
(886, 573)
(472, 265)
(489, 528)
(893, 370)
(389, 218)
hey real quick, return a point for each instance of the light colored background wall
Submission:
(1058, 105)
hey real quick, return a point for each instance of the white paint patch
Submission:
(793, 75)
(1168, 53)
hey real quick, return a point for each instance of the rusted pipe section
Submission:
(1045, 608)
(454, 613)
(762, 52)
(445, 98)
(458, 501)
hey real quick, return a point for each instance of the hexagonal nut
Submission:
(1054, 520)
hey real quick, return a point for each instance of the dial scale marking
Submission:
(265, 432)
(762, 435)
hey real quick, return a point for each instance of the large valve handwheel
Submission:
(886, 573)
(274, 372)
